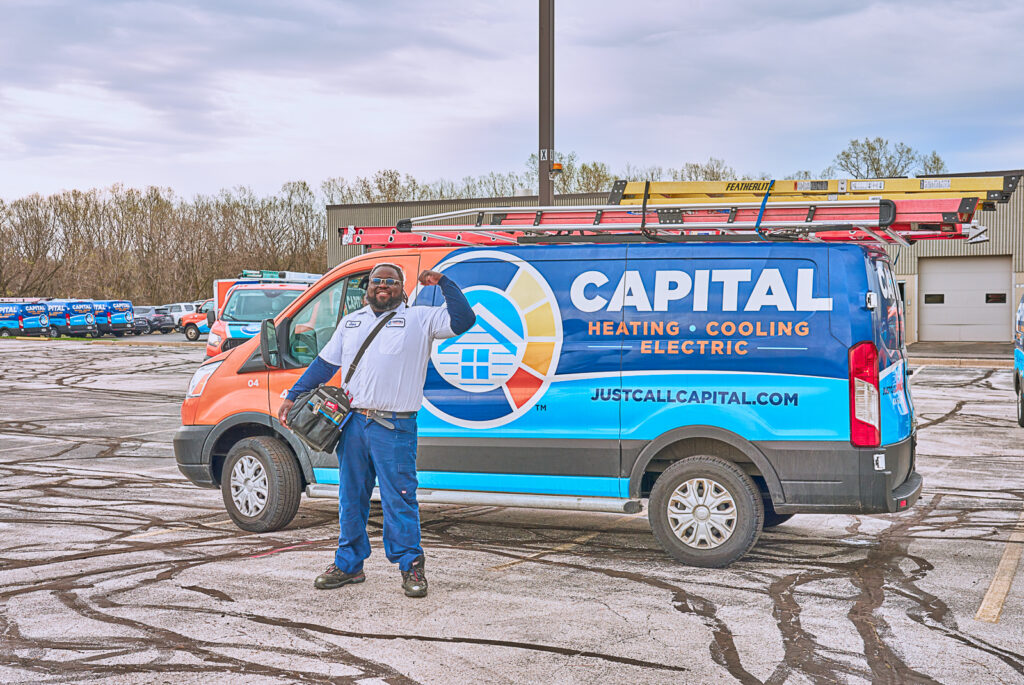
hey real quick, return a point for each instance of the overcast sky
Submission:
(202, 95)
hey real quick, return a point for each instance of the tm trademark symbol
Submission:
(541, 407)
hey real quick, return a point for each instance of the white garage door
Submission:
(964, 298)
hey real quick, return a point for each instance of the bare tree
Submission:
(713, 170)
(877, 158)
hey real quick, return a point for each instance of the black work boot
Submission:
(334, 577)
(414, 581)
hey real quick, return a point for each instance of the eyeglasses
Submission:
(385, 281)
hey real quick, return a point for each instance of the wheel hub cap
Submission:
(702, 513)
(249, 486)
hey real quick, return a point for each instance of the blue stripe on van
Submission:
(582, 486)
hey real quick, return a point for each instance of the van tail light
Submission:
(109, 318)
(21, 321)
(865, 425)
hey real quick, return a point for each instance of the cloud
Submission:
(200, 95)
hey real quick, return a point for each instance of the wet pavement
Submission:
(113, 568)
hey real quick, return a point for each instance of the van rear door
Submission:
(897, 409)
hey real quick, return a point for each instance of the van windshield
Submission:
(257, 305)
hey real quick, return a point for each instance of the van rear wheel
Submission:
(705, 511)
(261, 484)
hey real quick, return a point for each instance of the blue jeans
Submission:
(366, 452)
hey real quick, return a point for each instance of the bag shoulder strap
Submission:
(366, 343)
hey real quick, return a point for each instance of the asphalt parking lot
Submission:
(114, 568)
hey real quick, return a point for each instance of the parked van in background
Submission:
(1018, 361)
(113, 316)
(195, 325)
(245, 307)
(733, 385)
(23, 318)
(71, 317)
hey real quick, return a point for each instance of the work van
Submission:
(113, 316)
(1018, 360)
(23, 318)
(195, 324)
(730, 385)
(245, 306)
(71, 317)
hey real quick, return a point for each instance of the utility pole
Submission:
(547, 101)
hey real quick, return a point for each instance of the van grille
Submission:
(232, 343)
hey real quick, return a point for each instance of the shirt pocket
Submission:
(392, 339)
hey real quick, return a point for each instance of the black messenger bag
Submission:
(320, 414)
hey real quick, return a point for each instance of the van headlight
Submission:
(200, 378)
(214, 339)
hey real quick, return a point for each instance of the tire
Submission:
(165, 331)
(192, 332)
(5, 332)
(693, 479)
(271, 464)
(96, 334)
(118, 334)
(53, 332)
(1019, 387)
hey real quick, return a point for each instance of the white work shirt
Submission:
(391, 374)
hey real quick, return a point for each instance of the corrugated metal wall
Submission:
(339, 217)
(1005, 237)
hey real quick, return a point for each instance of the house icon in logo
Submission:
(485, 356)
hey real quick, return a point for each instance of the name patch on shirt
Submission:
(395, 323)
(353, 323)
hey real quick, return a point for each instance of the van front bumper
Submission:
(193, 460)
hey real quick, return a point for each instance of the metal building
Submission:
(953, 291)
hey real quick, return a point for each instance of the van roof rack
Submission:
(882, 211)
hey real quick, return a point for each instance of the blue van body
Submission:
(72, 317)
(23, 318)
(113, 316)
(1018, 360)
(613, 352)
(730, 384)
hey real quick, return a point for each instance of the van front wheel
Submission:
(705, 511)
(191, 332)
(261, 484)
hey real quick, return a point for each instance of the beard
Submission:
(379, 304)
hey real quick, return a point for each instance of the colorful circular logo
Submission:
(497, 370)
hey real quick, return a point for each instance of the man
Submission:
(379, 440)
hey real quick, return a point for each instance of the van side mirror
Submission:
(210, 317)
(268, 344)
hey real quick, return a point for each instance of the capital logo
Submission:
(497, 370)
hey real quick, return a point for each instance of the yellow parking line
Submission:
(992, 604)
